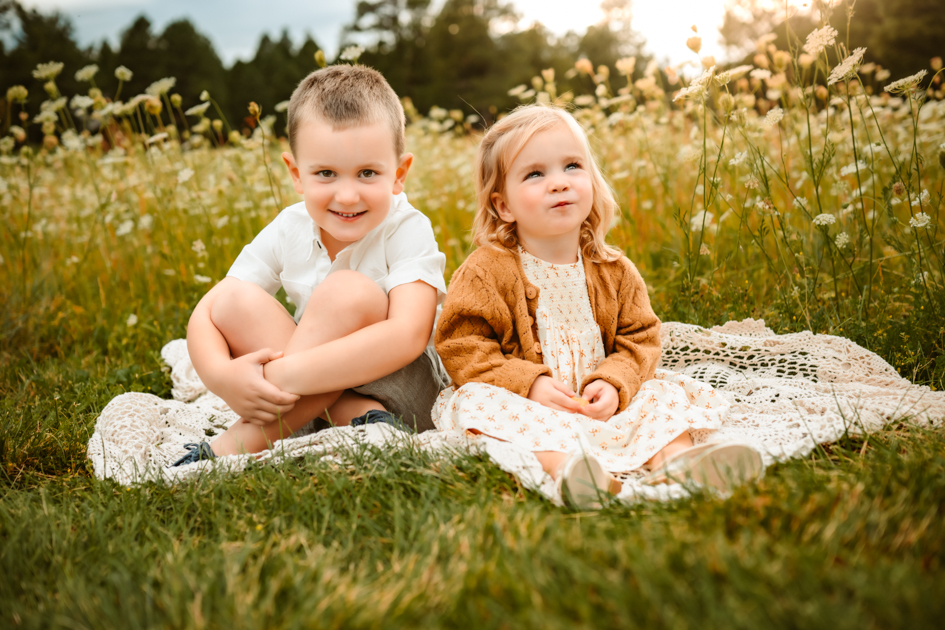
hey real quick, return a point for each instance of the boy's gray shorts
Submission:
(408, 393)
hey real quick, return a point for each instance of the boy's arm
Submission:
(637, 344)
(367, 354)
(239, 382)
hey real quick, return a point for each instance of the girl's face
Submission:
(548, 190)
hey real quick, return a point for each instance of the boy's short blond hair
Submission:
(499, 148)
(347, 96)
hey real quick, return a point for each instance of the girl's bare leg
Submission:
(681, 443)
(250, 320)
(551, 463)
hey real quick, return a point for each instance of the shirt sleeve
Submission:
(413, 254)
(261, 261)
(474, 325)
(637, 344)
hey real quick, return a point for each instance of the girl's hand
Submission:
(249, 394)
(604, 400)
(553, 394)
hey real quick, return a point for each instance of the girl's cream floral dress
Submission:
(571, 344)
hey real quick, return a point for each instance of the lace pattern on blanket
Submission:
(788, 394)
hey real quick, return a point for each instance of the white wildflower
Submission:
(700, 219)
(48, 71)
(86, 73)
(752, 183)
(81, 101)
(53, 106)
(920, 220)
(197, 110)
(205, 96)
(923, 198)
(738, 72)
(281, 106)
(905, 85)
(132, 320)
(800, 203)
(45, 116)
(184, 175)
(774, 117)
(704, 250)
(123, 74)
(895, 201)
(125, 228)
(7, 144)
(202, 279)
(825, 219)
(847, 68)
(72, 141)
(584, 100)
(697, 88)
(738, 159)
(842, 240)
(199, 248)
(518, 89)
(145, 222)
(161, 86)
(819, 39)
(760, 73)
(225, 219)
(850, 169)
(351, 53)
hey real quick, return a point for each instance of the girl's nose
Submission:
(559, 183)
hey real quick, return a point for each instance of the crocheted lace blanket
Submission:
(788, 394)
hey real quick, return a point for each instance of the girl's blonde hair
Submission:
(499, 148)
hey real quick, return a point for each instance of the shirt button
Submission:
(531, 293)
(537, 348)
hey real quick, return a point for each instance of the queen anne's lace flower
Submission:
(351, 53)
(774, 117)
(923, 198)
(760, 73)
(86, 73)
(825, 219)
(123, 74)
(161, 86)
(904, 85)
(48, 71)
(920, 220)
(847, 68)
(697, 88)
(850, 169)
(842, 240)
(820, 39)
(738, 159)
(197, 110)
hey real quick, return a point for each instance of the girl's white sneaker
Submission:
(582, 482)
(721, 466)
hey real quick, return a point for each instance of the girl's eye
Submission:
(325, 173)
(533, 174)
(571, 166)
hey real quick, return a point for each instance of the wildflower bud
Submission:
(747, 100)
(99, 103)
(17, 93)
(584, 66)
(761, 60)
(24, 116)
(537, 83)
(708, 61)
(936, 63)
(50, 142)
(781, 60)
(171, 131)
(821, 92)
(176, 100)
(898, 189)
(50, 87)
(154, 106)
(26, 151)
(548, 75)
(254, 110)
(805, 60)
(185, 134)
(234, 137)
(217, 125)
(18, 132)
(694, 44)
(49, 127)
(726, 102)
(95, 93)
(603, 72)
(320, 58)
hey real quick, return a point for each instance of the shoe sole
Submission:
(585, 483)
(724, 467)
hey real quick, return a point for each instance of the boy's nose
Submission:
(347, 194)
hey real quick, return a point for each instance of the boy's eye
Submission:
(368, 173)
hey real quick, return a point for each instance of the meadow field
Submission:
(805, 189)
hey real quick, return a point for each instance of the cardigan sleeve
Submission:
(636, 342)
(473, 327)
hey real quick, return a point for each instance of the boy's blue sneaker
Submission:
(375, 416)
(196, 453)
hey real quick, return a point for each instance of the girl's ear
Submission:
(293, 171)
(501, 208)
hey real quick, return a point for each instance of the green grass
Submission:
(851, 538)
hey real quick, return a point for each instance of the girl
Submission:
(544, 309)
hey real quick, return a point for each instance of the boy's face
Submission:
(346, 177)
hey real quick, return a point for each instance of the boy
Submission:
(360, 264)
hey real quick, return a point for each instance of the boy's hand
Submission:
(553, 394)
(249, 394)
(604, 400)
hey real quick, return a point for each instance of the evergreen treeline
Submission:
(466, 56)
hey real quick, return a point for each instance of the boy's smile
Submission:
(347, 177)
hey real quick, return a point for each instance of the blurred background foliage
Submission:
(464, 55)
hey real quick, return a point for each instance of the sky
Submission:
(235, 26)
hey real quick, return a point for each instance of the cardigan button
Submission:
(531, 292)
(537, 348)
(530, 321)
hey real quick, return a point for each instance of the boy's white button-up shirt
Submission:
(289, 253)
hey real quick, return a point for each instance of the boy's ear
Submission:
(400, 178)
(293, 171)
(501, 208)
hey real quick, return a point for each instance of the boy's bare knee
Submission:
(354, 296)
(236, 304)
